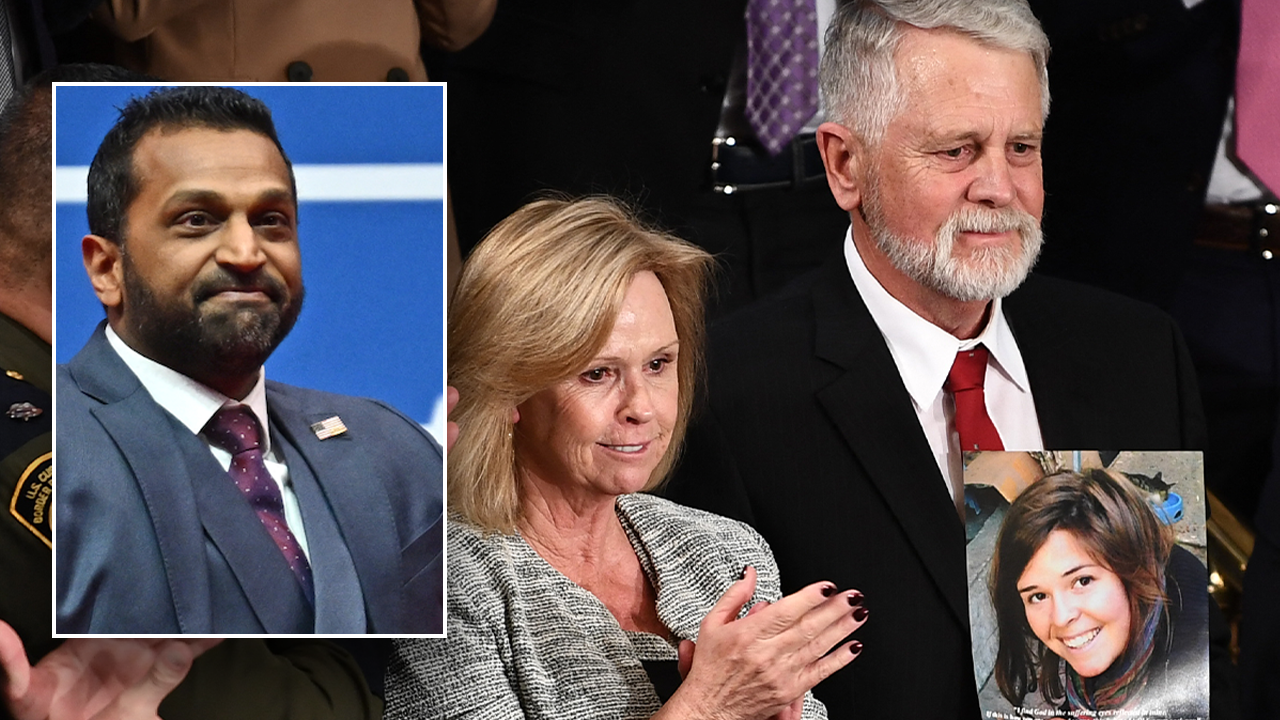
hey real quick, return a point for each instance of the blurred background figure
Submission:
(667, 105)
(239, 40)
(26, 330)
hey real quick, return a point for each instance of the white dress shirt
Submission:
(924, 354)
(194, 405)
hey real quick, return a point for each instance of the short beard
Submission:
(207, 345)
(987, 273)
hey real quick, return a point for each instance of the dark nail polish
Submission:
(828, 590)
(743, 576)
(856, 599)
(855, 647)
(860, 614)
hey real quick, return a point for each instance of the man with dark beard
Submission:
(840, 409)
(193, 495)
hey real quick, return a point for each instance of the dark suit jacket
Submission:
(811, 438)
(152, 537)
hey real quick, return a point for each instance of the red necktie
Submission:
(964, 382)
(1258, 91)
(236, 430)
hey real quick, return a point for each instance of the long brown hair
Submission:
(1114, 525)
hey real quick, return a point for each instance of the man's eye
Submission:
(1021, 148)
(274, 220)
(195, 220)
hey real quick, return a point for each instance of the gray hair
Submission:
(859, 77)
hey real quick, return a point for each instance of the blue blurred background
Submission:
(370, 167)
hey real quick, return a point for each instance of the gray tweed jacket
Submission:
(525, 642)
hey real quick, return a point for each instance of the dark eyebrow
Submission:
(196, 196)
(210, 196)
(283, 196)
(1073, 570)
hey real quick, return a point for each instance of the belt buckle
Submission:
(1265, 226)
(716, 185)
(795, 176)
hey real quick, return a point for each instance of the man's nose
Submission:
(993, 185)
(240, 246)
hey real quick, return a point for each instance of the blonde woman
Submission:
(575, 338)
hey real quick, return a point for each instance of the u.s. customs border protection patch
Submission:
(32, 502)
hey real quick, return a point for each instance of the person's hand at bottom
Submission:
(94, 678)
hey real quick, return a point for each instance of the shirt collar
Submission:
(923, 351)
(192, 403)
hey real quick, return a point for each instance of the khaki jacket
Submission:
(258, 40)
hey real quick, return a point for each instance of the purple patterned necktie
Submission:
(782, 69)
(236, 430)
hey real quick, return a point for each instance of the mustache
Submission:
(990, 220)
(224, 280)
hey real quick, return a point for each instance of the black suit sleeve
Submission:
(305, 679)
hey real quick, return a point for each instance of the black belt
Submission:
(736, 167)
(1244, 227)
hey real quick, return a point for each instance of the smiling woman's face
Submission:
(603, 431)
(1075, 605)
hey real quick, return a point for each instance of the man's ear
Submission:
(103, 262)
(844, 156)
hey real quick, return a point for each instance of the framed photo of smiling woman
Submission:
(1087, 584)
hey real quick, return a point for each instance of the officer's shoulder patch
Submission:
(32, 502)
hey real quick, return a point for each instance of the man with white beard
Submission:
(840, 408)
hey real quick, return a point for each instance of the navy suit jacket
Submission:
(810, 437)
(152, 537)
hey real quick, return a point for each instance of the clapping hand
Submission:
(761, 665)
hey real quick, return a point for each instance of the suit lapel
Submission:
(1058, 369)
(343, 469)
(870, 407)
(339, 602)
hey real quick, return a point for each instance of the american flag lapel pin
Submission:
(328, 427)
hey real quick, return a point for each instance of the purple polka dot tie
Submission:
(782, 69)
(236, 430)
